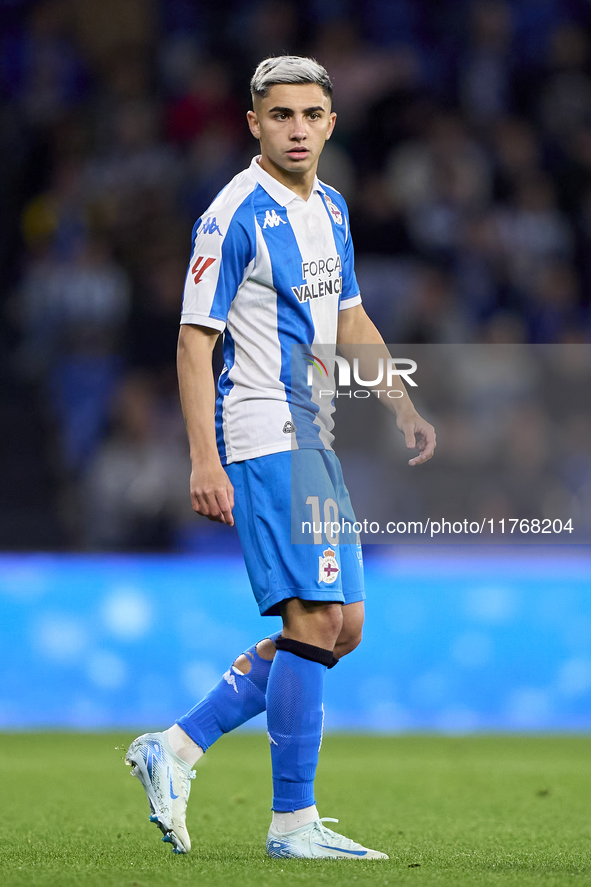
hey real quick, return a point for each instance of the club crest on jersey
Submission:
(210, 226)
(328, 569)
(334, 210)
(272, 220)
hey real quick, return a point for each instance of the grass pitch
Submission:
(448, 811)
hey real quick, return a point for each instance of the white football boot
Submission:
(315, 841)
(167, 782)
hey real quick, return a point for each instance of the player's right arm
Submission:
(212, 494)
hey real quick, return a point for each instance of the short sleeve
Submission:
(220, 255)
(350, 295)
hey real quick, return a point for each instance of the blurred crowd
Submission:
(463, 146)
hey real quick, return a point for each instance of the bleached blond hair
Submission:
(288, 69)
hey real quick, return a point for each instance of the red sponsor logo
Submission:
(201, 265)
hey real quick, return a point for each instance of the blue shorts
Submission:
(288, 511)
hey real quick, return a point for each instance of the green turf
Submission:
(448, 811)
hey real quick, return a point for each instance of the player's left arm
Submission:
(356, 328)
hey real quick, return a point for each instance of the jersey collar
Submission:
(280, 193)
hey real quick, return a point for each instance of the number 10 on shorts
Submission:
(329, 526)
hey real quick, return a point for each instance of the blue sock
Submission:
(294, 721)
(234, 700)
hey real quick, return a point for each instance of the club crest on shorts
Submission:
(334, 210)
(328, 569)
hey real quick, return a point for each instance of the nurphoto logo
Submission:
(386, 370)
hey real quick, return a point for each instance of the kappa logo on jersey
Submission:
(272, 220)
(201, 265)
(210, 226)
(328, 569)
(334, 210)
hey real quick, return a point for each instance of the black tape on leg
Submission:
(306, 651)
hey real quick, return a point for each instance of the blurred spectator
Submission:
(135, 493)
(360, 73)
(574, 494)
(565, 99)
(77, 305)
(504, 328)
(527, 443)
(486, 70)
(438, 183)
(154, 321)
(135, 160)
(74, 311)
(395, 22)
(532, 229)
(208, 103)
(478, 268)
(435, 314)
(388, 292)
(401, 113)
(490, 383)
(210, 162)
(379, 225)
(131, 187)
(108, 29)
(272, 27)
(40, 68)
(337, 168)
(553, 308)
(448, 163)
(517, 155)
(54, 222)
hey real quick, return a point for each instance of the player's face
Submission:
(292, 123)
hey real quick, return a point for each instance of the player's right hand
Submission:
(212, 494)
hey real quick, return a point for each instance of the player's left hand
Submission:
(418, 434)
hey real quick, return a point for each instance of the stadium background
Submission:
(463, 146)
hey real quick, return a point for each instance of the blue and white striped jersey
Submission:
(271, 271)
